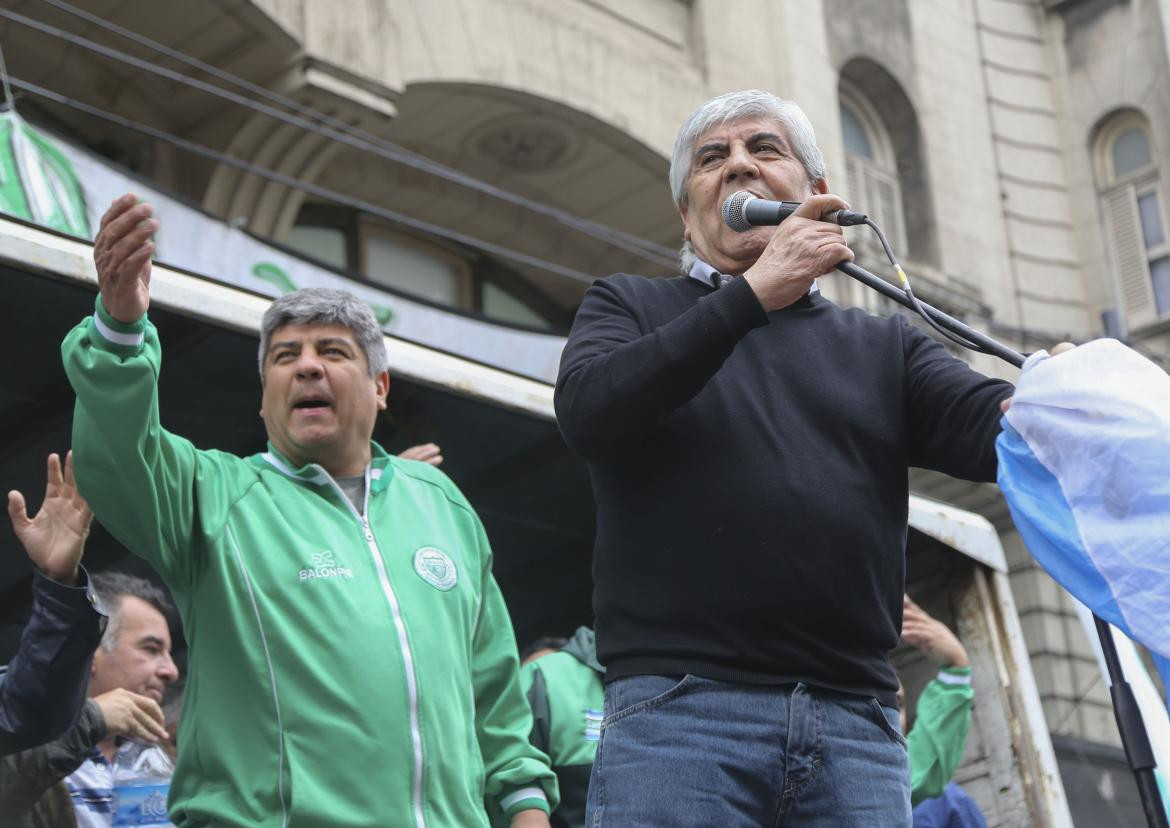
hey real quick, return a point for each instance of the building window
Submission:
(414, 266)
(1134, 206)
(1157, 252)
(325, 244)
(325, 234)
(871, 171)
(500, 304)
(418, 266)
(1130, 152)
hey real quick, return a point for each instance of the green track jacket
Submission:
(939, 735)
(344, 671)
(566, 691)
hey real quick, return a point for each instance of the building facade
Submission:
(1017, 153)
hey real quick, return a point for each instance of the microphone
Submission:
(742, 211)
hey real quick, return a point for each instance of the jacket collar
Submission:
(380, 469)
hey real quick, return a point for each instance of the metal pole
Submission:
(1134, 737)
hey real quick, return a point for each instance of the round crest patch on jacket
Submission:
(435, 567)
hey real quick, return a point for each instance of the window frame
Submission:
(330, 217)
(1129, 187)
(1145, 188)
(369, 227)
(473, 272)
(1119, 124)
(1158, 251)
(867, 175)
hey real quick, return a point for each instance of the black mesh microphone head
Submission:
(733, 211)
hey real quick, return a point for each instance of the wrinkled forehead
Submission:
(726, 131)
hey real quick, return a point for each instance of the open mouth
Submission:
(311, 404)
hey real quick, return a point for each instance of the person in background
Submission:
(939, 735)
(131, 669)
(42, 691)
(424, 453)
(565, 689)
(134, 656)
(542, 647)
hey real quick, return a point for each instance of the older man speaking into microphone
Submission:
(748, 442)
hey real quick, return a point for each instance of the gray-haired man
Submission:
(352, 660)
(131, 670)
(748, 443)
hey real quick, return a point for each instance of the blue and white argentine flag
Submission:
(1084, 462)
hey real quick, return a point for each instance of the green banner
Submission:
(37, 182)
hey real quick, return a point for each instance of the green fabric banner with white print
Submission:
(37, 182)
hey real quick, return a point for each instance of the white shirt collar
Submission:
(709, 276)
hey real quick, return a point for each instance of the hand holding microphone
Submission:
(804, 247)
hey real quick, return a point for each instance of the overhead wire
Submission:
(338, 130)
(8, 102)
(331, 127)
(304, 186)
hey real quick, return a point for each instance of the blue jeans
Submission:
(698, 752)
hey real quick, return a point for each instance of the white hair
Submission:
(731, 108)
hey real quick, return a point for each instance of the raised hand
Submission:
(426, 453)
(55, 538)
(122, 253)
(931, 636)
(131, 715)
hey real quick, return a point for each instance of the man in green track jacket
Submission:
(567, 694)
(939, 736)
(352, 661)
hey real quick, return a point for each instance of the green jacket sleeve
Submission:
(148, 487)
(517, 776)
(939, 736)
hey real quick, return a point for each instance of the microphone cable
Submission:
(918, 306)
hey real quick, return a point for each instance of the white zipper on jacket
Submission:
(395, 612)
(403, 642)
(412, 687)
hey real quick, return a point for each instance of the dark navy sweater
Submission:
(750, 473)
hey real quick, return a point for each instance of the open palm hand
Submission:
(55, 538)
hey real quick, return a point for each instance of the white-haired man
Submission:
(352, 660)
(748, 443)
